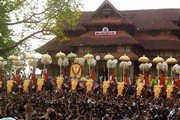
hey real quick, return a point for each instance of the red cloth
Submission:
(126, 78)
(112, 76)
(177, 82)
(33, 77)
(146, 77)
(163, 79)
(93, 74)
(45, 74)
(17, 78)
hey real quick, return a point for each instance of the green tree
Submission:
(5, 32)
(37, 19)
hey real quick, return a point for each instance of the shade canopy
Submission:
(1, 58)
(13, 57)
(88, 56)
(171, 60)
(72, 55)
(60, 55)
(30, 56)
(158, 59)
(124, 58)
(108, 56)
(143, 59)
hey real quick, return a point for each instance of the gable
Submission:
(106, 10)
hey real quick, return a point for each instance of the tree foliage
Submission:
(5, 32)
(34, 19)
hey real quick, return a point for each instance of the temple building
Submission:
(133, 32)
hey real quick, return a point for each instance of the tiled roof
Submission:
(55, 44)
(155, 19)
(160, 45)
(90, 39)
(159, 42)
(108, 21)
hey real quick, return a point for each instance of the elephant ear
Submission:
(79, 61)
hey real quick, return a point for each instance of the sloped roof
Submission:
(117, 19)
(161, 36)
(55, 44)
(159, 42)
(90, 39)
(105, 4)
(154, 19)
(160, 45)
(107, 21)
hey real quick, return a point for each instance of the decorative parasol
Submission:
(46, 59)
(124, 58)
(176, 69)
(171, 60)
(158, 59)
(72, 56)
(63, 62)
(108, 56)
(88, 56)
(18, 62)
(91, 62)
(13, 57)
(145, 67)
(33, 62)
(143, 59)
(79, 61)
(1, 58)
(30, 56)
(124, 65)
(60, 55)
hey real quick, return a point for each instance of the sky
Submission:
(91, 5)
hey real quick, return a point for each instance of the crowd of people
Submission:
(65, 104)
